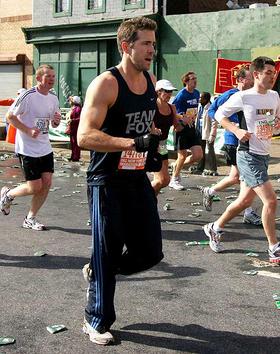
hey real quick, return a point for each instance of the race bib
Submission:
(132, 160)
(42, 124)
(264, 128)
(190, 114)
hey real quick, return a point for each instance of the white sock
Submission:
(248, 211)
(211, 191)
(216, 227)
(11, 198)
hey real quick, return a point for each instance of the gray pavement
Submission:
(194, 301)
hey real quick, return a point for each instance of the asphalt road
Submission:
(194, 301)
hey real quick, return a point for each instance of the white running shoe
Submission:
(207, 199)
(101, 338)
(214, 237)
(175, 184)
(32, 223)
(253, 218)
(87, 273)
(274, 255)
(5, 201)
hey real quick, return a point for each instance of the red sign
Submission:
(225, 73)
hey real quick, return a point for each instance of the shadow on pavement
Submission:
(46, 262)
(71, 231)
(172, 273)
(198, 339)
(199, 235)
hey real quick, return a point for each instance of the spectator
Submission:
(74, 120)
(207, 128)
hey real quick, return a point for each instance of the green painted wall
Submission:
(76, 64)
(191, 42)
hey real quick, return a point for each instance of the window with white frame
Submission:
(62, 7)
(133, 4)
(95, 6)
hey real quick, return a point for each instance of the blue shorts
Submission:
(252, 168)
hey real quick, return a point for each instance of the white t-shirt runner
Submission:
(260, 112)
(34, 110)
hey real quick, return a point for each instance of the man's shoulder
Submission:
(25, 96)
(181, 92)
(104, 79)
(229, 93)
(273, 93)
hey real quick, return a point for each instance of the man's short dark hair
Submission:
(259, 63)
(206, 96)
(129, 28)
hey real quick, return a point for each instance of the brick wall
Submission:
(12, 41)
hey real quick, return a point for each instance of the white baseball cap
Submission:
(165, 85)
(76, 99)
(21, 91)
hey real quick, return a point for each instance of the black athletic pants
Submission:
(126, 238)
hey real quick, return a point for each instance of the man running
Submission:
(115, 125)
(31, 114)
(186, 103)
(244, 81)
(261, 108)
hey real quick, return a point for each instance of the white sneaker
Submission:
(97, 337)
(274, 255)
(207, 199)
(253, 218)
(175, 184)
(5, 201)
(32, 223)
(87, 273)
(214, 237)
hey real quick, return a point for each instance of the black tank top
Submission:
(164, 122)
(130, 116)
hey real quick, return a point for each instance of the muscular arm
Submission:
(100, 96)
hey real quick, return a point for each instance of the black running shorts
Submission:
(230, 154)
(33, 167)
(187, 138)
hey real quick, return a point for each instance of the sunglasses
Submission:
(167, 91)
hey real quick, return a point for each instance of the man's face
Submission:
(265, 78)
(192, 82)
(247, 81)
(142, 50)
(47, 79)
(202, 100)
